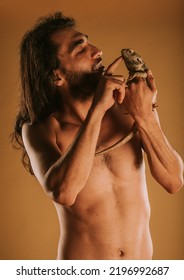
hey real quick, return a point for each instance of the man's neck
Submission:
(75, 110)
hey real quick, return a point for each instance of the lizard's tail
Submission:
(122, 141)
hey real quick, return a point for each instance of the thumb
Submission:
(151, 81)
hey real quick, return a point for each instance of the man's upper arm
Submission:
(40, 144)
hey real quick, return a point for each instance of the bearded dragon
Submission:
(137, 69)
(134, 63)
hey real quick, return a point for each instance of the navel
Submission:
(121, 253)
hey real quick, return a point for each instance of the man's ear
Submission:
(58, 78)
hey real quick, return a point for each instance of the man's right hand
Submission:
(111, 88)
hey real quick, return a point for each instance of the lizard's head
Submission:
(133, 61)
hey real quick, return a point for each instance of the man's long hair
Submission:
(38, 59)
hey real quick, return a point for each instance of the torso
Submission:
(110, 217)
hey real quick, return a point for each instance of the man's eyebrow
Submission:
(82, 39)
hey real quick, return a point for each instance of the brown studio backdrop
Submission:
(29, 226)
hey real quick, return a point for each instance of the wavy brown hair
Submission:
(38, 59)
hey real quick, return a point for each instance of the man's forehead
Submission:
(67, 35)
(79, 34)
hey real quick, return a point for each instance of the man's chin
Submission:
(85, 87)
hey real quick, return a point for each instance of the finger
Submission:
(118, 78)
(112, 67)
(119, 94)
(150, 80)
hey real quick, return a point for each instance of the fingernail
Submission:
(149, 72)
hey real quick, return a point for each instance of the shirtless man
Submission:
(101, 201)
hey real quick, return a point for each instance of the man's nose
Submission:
(95, 52)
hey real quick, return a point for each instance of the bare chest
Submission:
(119, 167)
(119, 162)
(115, 176)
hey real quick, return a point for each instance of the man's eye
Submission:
(81, 51)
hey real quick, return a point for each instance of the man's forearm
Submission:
(67, 177)
(165, 164)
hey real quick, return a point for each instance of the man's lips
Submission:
(98, 66)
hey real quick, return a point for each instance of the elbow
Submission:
(176, 178)
(174, 185)
(171, 181)
(60, 194)
(64, 198)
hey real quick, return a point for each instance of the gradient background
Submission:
(28, 221)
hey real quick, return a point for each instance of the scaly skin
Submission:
(134, 63)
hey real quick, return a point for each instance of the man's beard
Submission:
(82, 85)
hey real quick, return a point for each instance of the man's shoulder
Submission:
(42, 129)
